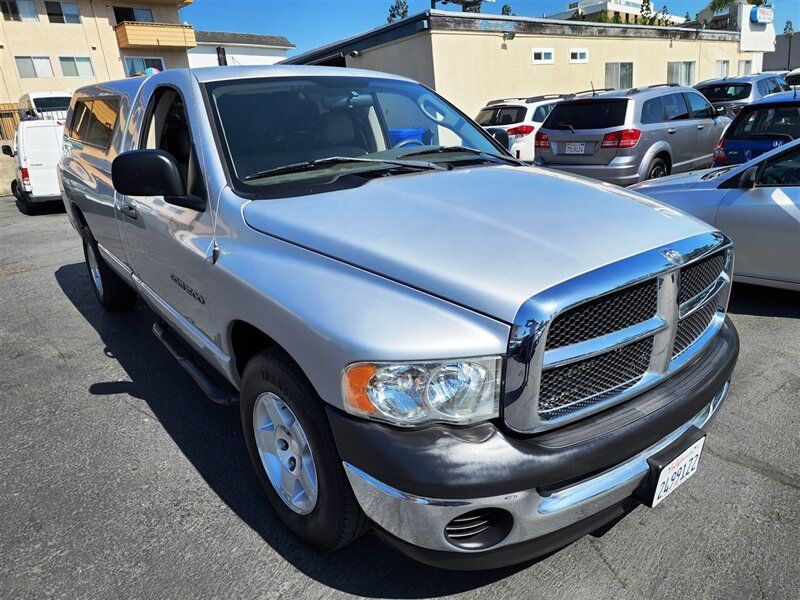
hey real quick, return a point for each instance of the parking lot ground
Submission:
(119, 479)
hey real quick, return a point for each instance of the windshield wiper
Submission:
(446, 149)
(567, 125)
(310, 165)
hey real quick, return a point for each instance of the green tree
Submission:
(723, 5)
(397, 11)
(506, 10)
(617, 18)
(646, 13)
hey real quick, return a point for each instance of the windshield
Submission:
(501, 115)
(724, 92)
(587, 114)
(777, 122)
(267, 124)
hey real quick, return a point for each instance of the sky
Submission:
(312, 23)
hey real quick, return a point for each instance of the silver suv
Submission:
(627, 136)
(732, 93)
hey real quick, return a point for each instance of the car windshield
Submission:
(587, 114)
(312, 125)
(725, 91)
(501, 115)
(777, 122)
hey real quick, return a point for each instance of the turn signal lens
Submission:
(458, 391)
(542, 140)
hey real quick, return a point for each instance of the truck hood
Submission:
(486, 238)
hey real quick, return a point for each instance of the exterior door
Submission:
(169, 245)
(681, 131)
(764, 222)
(709, 129)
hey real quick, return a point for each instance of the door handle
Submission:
(671, 130)
(700, 126)
(129, 211)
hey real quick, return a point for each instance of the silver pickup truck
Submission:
(481, 360)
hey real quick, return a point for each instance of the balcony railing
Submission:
(132, 34)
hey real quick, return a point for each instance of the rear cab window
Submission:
(588, 114)
(94, 120)
(501, 115)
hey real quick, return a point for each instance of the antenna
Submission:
(593, 92)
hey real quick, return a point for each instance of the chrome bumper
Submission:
(421, 521)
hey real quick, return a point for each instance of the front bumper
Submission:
(558, 486)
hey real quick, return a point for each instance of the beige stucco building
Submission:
(472, 58)
(60, 46)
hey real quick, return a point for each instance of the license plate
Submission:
(574, 148)
(678, 471)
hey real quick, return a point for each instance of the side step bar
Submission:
(221, 393)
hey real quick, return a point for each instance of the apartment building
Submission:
(59, 46)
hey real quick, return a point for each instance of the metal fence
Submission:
(12, 114)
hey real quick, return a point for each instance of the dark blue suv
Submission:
(760, 127)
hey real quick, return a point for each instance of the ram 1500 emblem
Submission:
(187, 288)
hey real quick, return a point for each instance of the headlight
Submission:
(459, 391)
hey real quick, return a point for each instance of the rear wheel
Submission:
(294, 454)
(658, 168)
(111, 290)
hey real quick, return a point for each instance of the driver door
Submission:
(764, 222)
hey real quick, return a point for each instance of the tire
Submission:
(111, 290)
(657, 168)
(334, 518)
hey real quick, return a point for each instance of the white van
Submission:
(37, 148)
(45, 105)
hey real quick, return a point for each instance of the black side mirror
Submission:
(747, 180)
(152, 173)
(719, 111)
(501, 135)
(8, 151)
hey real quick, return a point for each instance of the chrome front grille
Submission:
(569, 359)
(605, 315)
(571, 387)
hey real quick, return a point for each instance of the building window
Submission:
(745, 67)
(76, 66)
(722, 68)
(681, 73)
(135, 65)
(543, 56)
(62, 12)
(19, 10)
(578, 55)
(31, 67)
(619, 75)
(140, 15)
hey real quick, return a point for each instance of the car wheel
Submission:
(111, 290)
(293, 452)
(658, 168)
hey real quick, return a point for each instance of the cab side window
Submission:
(93, 121)
(167, 129)
(699, 106)
(653, 110)
(675, 107)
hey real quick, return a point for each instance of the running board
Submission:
(221, 394)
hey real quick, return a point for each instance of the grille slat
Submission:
(604, 315)
(566, 389)
(690, 328)
(697, 277)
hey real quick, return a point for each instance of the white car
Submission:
(37, 148)
(45, 105)
(521, 118)
(757, 204)
(793, 78)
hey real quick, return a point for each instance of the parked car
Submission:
(520, 118)
(734, 93)
(45, 105)
(793, 78)
(631, 135)
(760, 127)
(37, 149)
(419, 338)
(756, 203)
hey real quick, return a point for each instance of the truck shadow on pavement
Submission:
(210, 436)
(761, 301)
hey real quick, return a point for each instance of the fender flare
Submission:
(658, 147)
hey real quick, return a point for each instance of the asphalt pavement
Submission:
(119, 479)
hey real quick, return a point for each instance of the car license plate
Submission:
(574, 148)
(678, 471)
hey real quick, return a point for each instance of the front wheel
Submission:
(293, 452)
